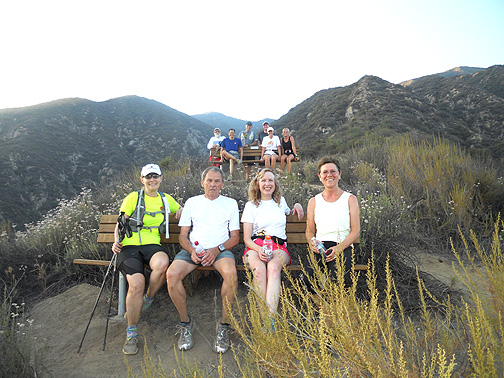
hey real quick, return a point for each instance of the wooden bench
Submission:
(295, 230)
(251, 155)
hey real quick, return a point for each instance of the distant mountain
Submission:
(467, 109)
(51, 151)
(457, 71)
(225, 123)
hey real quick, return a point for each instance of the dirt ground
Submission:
(59, 324)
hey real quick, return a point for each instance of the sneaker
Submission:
(146, 302)
(130, 346)
(185, 341)
(230, 177)
(222, 341)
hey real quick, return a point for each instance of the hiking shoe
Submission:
(130, 346)
(146, 302)
(222, 341)
(230, 177)
(185, 341)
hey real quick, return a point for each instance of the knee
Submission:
(172, 277)
(136, 284)
(230, 275)
(160, 265)
(259, 273)
(274, 270)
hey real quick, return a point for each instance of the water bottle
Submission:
(320, 247)
(200, 251)
(268, 247)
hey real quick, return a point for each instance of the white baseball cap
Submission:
(150, 168)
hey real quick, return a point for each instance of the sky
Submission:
(246, 59)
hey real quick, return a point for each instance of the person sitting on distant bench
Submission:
(232, 151)
(270, 146)
(214, 146)
(247, 138)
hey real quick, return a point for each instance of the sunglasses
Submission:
(152, 176)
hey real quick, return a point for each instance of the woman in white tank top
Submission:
(333, 216)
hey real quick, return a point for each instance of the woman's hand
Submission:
(262, 255)
(116, 247)
(333, 252)
(298, 209)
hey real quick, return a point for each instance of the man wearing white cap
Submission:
(214, 146)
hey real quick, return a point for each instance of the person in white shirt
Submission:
(270, 146)
(265, 214)
(214, 146)
(332, 218)
(213, 221)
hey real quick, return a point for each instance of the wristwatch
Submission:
(222, 248)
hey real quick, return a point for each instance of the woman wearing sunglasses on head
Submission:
(147, 212)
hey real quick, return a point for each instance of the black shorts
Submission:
(132, 258)
(331, 265)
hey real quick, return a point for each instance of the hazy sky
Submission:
(246, 59)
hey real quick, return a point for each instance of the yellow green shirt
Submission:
(152, 204)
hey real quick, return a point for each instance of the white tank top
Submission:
(332, 219)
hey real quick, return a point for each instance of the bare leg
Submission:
(282, 163)
(289, 160)
(274, 279)
(227, 269)
(274, 159)
(174, 276)
(267, 161)
(134, 297)
(247, 171)
(158, 264)
(258, 269)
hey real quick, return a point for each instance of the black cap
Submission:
(248, 123)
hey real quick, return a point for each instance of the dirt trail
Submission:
(59, 324)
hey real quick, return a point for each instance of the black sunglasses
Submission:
(152, 176)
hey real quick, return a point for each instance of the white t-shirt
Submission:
(271, 145)
(268, 216)
(211, 220)
(215, 141)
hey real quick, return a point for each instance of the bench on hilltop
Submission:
(251, 155)
(295, 235)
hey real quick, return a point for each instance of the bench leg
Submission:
(121, 307)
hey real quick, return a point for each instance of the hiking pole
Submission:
(109, 306)
(112, 263)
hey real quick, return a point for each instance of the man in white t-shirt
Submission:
(213, 222)
(214, 146)
(270, 146)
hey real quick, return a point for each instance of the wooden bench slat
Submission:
(206, 268)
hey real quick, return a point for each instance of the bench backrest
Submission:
(295, 230)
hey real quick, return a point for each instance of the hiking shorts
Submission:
(186, 256)
(132, 258)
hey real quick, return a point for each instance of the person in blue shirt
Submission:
(232, 151)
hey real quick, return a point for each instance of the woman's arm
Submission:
(247, 237)
(353, 204)
(298, 209)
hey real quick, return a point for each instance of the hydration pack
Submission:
(136, 219)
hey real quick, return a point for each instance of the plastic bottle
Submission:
(268, 247)
(200, 251)
(320, 247)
